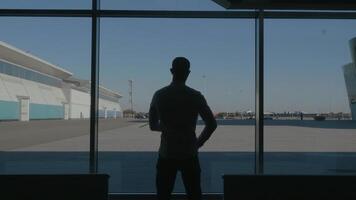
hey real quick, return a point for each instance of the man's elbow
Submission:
(212, 125)
(151, 125)
(154, 127)
(215, 125)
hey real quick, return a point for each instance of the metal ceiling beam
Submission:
(289, 4)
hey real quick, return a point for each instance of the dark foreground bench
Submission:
(289, 187)
(54, 187)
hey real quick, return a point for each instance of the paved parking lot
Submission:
(124, 135)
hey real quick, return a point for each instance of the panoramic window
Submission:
(309, 97)
(136, 56)
(45, 91)
(44, 95)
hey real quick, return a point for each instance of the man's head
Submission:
(180, 69)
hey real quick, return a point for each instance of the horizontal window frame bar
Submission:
(45, 13)
(153, 196)
(308, 15)
(288, 4)
(175, 14)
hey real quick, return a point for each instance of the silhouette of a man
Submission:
(174, 111)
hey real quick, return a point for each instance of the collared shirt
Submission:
(174, 111)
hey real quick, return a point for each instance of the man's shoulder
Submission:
(168, 89)
(193, 91)
(160, 93)
(162, 90)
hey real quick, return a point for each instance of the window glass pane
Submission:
(138, 53)
(44, 116)
(160, 5)
(310, 80)
(45, 4)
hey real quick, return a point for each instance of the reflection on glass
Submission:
(310, 111)
(136, 56)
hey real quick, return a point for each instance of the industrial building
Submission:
(350, 79)
(32, 89)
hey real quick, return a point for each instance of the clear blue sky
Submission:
(303, 57)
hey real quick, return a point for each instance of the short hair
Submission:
(180, 65)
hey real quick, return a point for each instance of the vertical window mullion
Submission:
(259, 92)
(94, 88)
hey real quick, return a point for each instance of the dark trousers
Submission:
(166, 175)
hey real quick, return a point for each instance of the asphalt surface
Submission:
(124, 135)
(15, 134)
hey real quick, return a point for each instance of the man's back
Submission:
(177, 107)
(174, 111)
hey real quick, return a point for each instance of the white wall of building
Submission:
(12, 87)
(79, 106)
(109, 105)
(5, 94)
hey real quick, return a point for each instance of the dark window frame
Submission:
(95, 14)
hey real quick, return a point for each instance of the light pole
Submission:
(130, 96)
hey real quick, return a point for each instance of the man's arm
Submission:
(153, 116)
(210, 122)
